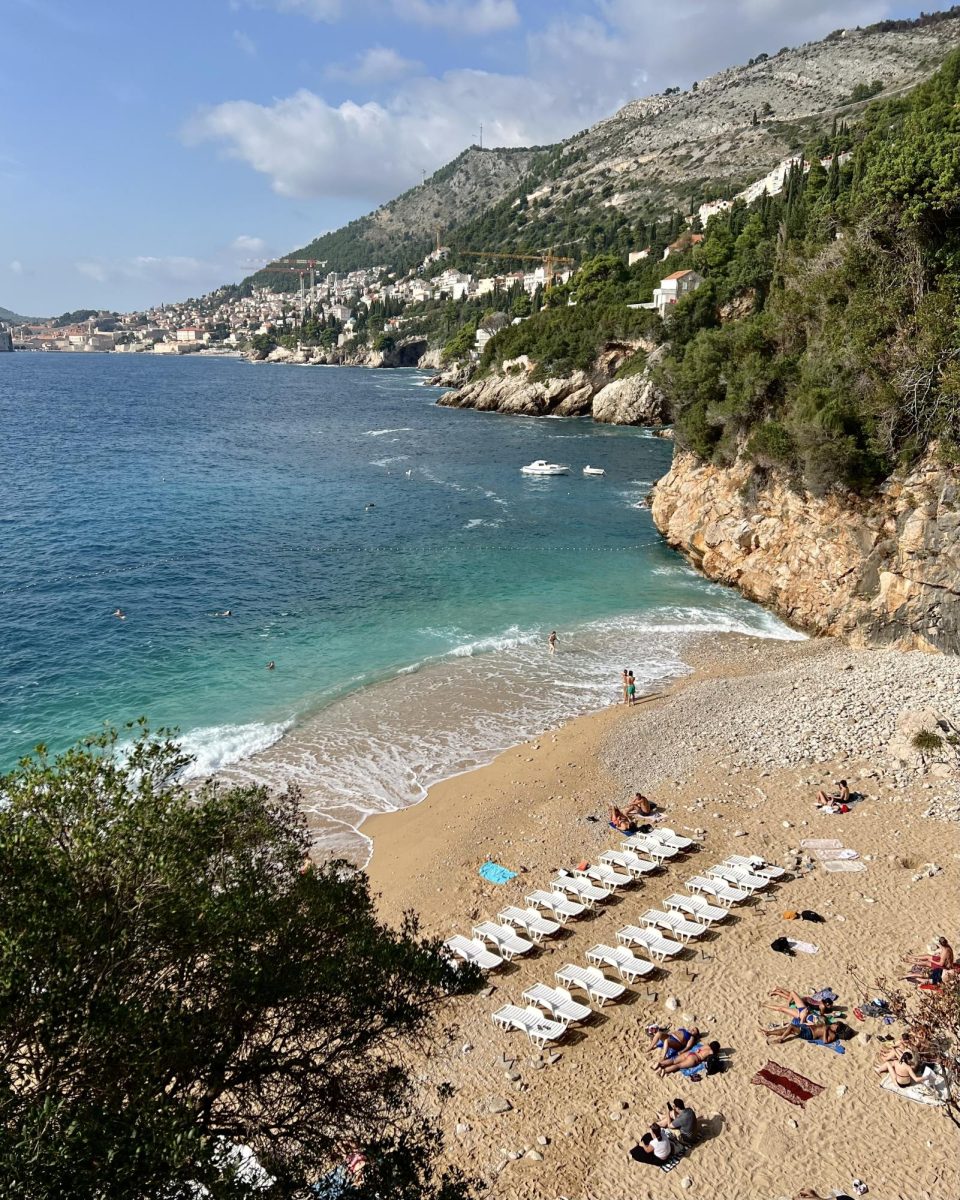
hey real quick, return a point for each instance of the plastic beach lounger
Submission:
(675, 923)
(530, 921)
(720, 891)
(656, 946)
(506, 939)
(531, 1021)
(472, 950)
(558, 1002)
(604, 875)
(588, 893)
(757, 865)
(556, 903)
(649, 845)
(592, 981)
(738, 878)
(697, 907)
(632, 863)
(626, 963)
(670, 838)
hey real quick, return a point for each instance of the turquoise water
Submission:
(174, 489)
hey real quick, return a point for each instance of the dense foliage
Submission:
(175, 983)
(825, 340)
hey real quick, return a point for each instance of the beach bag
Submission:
(807, 914)
(782, 946)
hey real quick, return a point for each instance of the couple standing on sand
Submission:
(629, 687)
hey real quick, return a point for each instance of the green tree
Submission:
(174, 982)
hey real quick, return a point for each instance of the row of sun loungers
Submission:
(550, 1010)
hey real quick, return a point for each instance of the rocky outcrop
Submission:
(409, 353)
(877, 571)
(636, 400)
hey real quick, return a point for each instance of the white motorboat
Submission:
(594, 471)
(542, 467)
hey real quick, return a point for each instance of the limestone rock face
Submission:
(519, 395)
(633, 401)
(878, 571)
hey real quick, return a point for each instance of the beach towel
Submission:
(673, 1160)
(821, 844)
(837, 1046)
(494, 873)
(793, 1088)
(834, 853)
(931, 1091)
(843, 865)
(802, 947)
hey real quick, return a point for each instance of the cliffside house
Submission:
(685, 241)
(674, 288)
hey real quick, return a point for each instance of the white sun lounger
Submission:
(558, 1002)
(556, 903)
(674, 923)
(756, 864)
(670, 838)
(737, 877)
(605, 876)
(656, 946)
(649, 845)
(697, 907)
(626, 963)
(472, 950)
(530, 921)
(591, 980)
(631, 862)
(589, 893)
(718, 889)
(506, 939)
(538, 1028)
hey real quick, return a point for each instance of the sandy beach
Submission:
(735, 753)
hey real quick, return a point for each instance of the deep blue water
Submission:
(176, 488)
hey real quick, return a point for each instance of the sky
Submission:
(151, 152)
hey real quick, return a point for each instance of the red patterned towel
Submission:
(786, 1083)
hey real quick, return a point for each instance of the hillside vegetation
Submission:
(848, 360)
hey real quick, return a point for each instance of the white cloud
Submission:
(317, 10)
(460, 16)
(240, 257)
(380, 64)
(16, 267)
(245, 43)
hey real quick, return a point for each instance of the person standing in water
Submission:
(631, 688)
(625, 681)
(552, 641)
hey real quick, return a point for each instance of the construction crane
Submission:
(292, 264)
(295, 271)
(548, 261)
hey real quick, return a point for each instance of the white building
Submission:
(674, 288)
(637, 256)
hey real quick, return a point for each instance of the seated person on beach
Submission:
(893, 1052)
(676, 1042)
(901, 1071)
(837, 801)
(692, 1058)
(655, 1147)
(797, 1002)
(640, 806)
(681, 1121)
(929, 968)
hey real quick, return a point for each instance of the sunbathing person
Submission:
(692, 1058)
(797, 1002)
(901, 1071)
(807, 1025)
(619, 820)
(929, 968)
(840, 797)
(674, 1043)
(640, 806)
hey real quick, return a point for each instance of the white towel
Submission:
(844, 865)
(821, 844)
(803, 947)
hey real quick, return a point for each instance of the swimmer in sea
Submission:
(367, 507)
(226, 613)
(271, 665)
(552, 641)
(119, 614)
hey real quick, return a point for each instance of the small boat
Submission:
(542, 467)
(594, 471)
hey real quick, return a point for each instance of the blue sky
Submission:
(150, 152)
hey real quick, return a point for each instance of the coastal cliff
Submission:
(883, 570)
(633, 400)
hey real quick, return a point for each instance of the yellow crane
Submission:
(548, 261)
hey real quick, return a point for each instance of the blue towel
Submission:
(494, 873)
(838, 1046)
(694, 1072)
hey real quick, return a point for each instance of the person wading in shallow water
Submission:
(625, 681)
(631, 688)
(552, 641)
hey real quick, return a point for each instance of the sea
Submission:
(385, 554)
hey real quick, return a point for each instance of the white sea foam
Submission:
(381, 432)
(385, 462)
(217, 746)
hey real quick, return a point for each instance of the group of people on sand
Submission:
(835, 802)
(929, 968)
(809, 1017)
(672, 1132)
(629, 684)
(627, 820)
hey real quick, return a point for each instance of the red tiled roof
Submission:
(677, 275)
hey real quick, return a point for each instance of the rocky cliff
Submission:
(412, 352)
(635, 400)
(878, 571)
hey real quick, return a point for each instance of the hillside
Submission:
(12, 318)
(667, 152)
